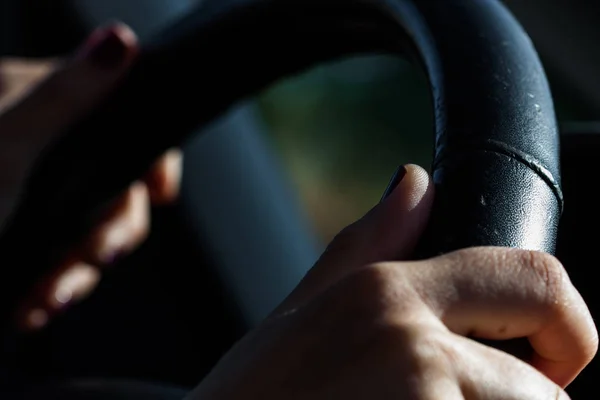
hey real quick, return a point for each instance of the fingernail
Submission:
(106, 49)
(394, 182)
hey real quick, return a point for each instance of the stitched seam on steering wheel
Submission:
(526, 159)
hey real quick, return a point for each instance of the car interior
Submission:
(269, 183)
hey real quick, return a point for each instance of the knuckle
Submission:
(376, 288)
(139, 228)
(137, 212)
(344, 240)
(431, 352)
(371, 301)
(138, 232)
(378, 299)
(414, 348)
(549, 272)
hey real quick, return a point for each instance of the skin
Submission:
(366, 322)
(359, 327)
(38, 99)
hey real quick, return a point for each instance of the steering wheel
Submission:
(496, 162)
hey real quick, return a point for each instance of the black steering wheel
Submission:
(496, 163)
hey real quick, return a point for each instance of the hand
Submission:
(38, 100)
(359, 328)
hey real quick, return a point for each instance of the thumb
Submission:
(390, 231)
(74, 88)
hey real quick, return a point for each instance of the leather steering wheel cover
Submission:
(496, 167)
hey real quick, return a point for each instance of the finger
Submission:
(490, 374)
(164, 178)
(389, 231)
(18, 76)
(499, 294)
(70, 283)
(72, 90)
(123, 228)
(120, 231)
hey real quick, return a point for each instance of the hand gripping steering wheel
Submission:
(496, 163)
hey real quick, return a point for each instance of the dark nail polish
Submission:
(108, 51)
(396, 179)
